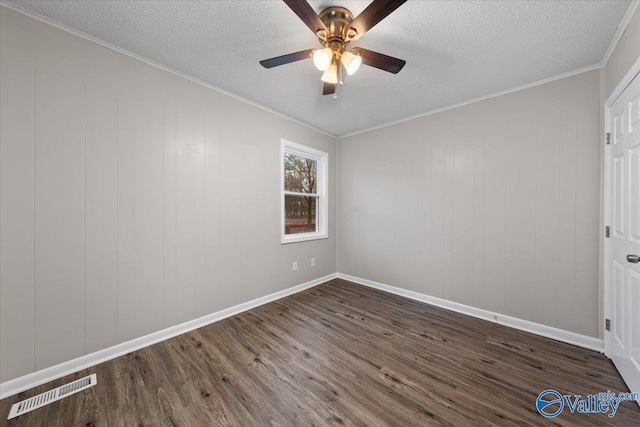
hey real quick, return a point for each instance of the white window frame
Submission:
(322, 190)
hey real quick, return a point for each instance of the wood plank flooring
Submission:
(337, 354)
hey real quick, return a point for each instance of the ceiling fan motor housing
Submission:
(337, 20)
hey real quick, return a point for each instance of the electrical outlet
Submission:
(313, 262)
(294, 266)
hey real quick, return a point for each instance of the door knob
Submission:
(634, 259)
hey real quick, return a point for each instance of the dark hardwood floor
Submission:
(337, 354)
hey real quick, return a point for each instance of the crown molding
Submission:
(103, 43)
(474, 100)
(622, 27)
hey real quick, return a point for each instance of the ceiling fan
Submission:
(335, 27)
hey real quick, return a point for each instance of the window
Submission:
(304, 193)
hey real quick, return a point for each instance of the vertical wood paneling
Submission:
(437, 173)
(169, 246)
(566, 215)
(520, 215)
(495, 216)
(199, 250)
(587, 205)
(59, 197)
(479, 218)
(426, 197)
(185, 214)
(125, 172)
(547, 205)
(388, 272)
(449, 206)
(371, 213)
(408, 205)
(212, 212)
(263, 214)
(512, 193)
(247, 163)
(365, 214)
(402, 205)
(346, 191)
(463, 216)
(126, 199)
(377, 209)
(414, 246)
(148, 221)
(16, 195)
(231, 256)
(101, 139)
(356, 228)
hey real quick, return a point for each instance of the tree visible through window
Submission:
(300, 177)
(304, 193)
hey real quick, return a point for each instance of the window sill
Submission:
(302, 237)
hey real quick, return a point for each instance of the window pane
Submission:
(300, 174)
(300, 214)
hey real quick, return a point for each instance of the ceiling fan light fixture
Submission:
(351, 61)
(331, 74)
(335, 28)
(322, 58)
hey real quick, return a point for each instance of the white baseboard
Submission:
(43, 376)
(584, 341)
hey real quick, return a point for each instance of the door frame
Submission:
(607, 197)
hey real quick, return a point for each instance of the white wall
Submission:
(130, 199)
(494, 204)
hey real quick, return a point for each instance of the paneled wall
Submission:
(131, 199)
(494, 204)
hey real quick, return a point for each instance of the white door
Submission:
(623, 283)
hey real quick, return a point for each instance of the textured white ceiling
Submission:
(455, 50)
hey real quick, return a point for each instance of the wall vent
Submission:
(47, 397)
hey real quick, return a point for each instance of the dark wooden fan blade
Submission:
(379, 60)
(374, 13)
(286, 59)
(328, 88)
(306, 13)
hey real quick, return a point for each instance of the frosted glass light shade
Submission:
(351, 62)
(322, 58)
(331, 74)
